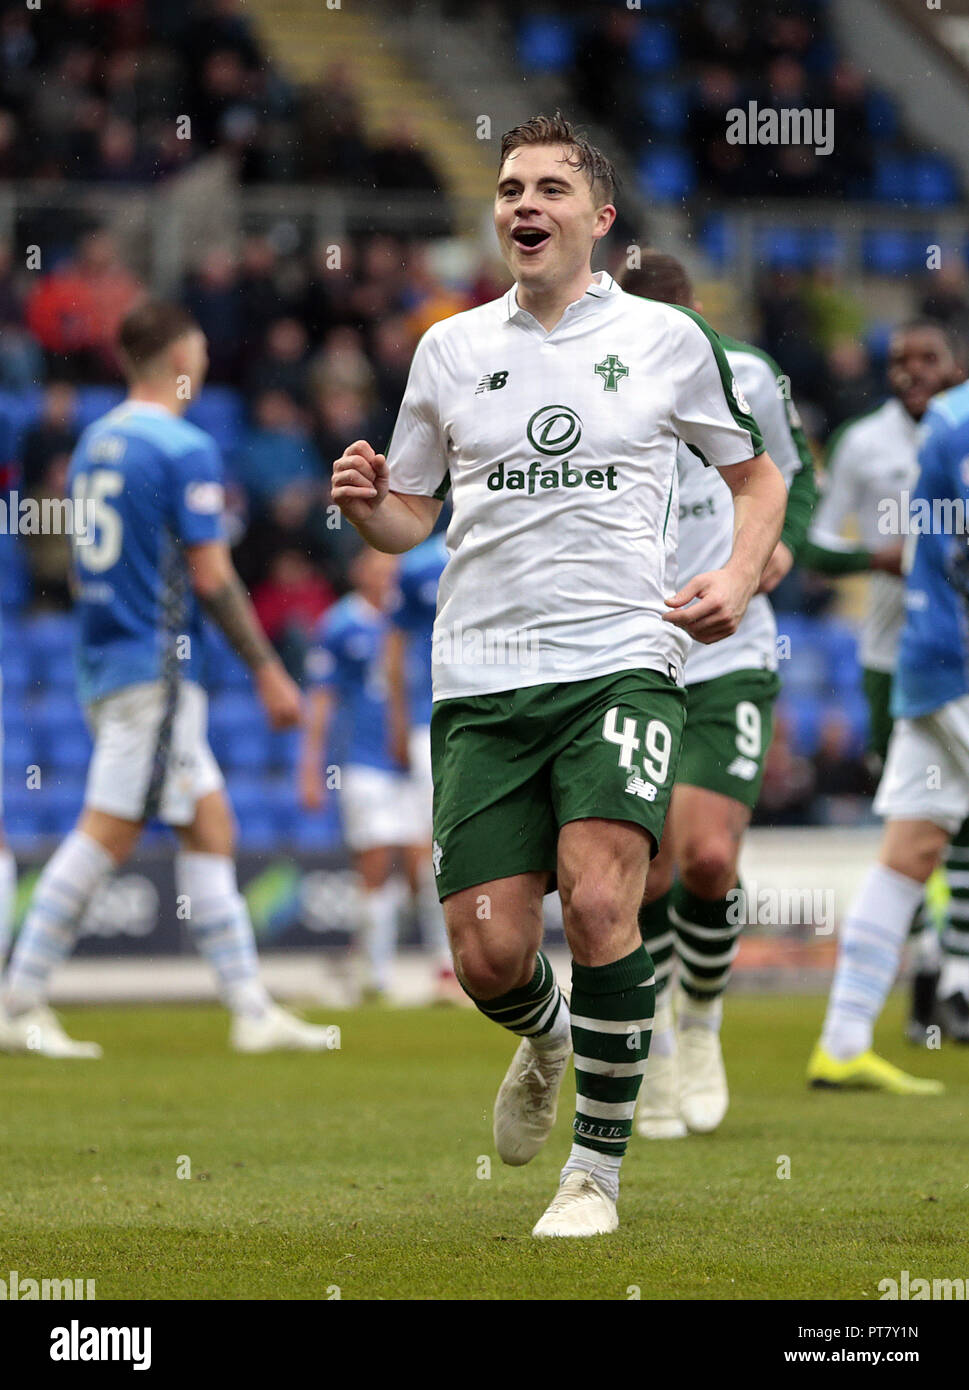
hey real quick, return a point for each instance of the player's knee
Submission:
(593, 914)
(709, 868)
(489, 969)
(659, 879)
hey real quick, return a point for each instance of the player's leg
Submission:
(494, 851)
(382, 897)
(921, 815)
(8, 892)
(611, 787)
(99, 844)
(709, 829)
(953, 980)
(420, 866)
(218, 917)
(923, 937)
(602, 873)
(658, 1115)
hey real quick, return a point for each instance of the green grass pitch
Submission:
(365, 1170)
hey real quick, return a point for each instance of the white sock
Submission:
(381, 907)
(872, 938)
(220, 923)
(604, 1167)
(699, 1013)
(663, 1040)
(955, 976)
(69, 880)
(431, 913)
(559, 1036)
(8, 891)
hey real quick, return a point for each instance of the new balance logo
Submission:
(494, 382)
(638, 786)
(745, 768)
(437, 854)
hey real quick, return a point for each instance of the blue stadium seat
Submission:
(785, 248)
(716, 239)
(54, 668)
(546, 44)
(889, 252)
(666, 107)
(666, 174)
(319, 830)
(220, 412)
(654, 49)
(14, 663)
(284, 749)
(14, 578)
(932, 181)
(891, 181)
(94, 401)
(882, 115)
(804, 715)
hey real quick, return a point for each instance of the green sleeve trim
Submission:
(743, 418)
(802, 498)
(443, 488)
(825, 561)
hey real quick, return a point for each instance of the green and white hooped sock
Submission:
(612, 1020)
(537, 1011)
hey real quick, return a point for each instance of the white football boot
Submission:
(658, 1113)
(527, 1101)
(703, 1081)
(38, 1032)
(579, 1208)
(278, 1031)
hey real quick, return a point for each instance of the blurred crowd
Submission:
(99, 91)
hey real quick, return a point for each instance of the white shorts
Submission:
(379, 808)
(419, 747)
(144, 767)
(926, 774)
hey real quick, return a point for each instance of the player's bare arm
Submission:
(223, 596)
(398, 714)
(388, 521)
(316, 726)
(711, 605)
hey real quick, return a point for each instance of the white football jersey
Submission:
(871, 461)
(707, 518)
(560, 452)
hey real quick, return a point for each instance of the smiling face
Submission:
(547, 217)
(920, 363)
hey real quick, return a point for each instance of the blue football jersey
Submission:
(933, 661)
(347, 657)
(417, 581)
(151, 483)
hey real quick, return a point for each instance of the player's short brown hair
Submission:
(149, 328)
(583, 156)
(660, 276)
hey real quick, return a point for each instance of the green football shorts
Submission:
(729, 723)
(511, 768)
(878, 692)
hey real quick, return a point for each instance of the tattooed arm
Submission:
(223, 596)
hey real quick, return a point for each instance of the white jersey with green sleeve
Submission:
(560, 453)
(872, 461)
(707, 518)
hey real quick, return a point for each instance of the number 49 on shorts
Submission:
(655, 745)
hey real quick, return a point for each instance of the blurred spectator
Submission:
(839, 766)
(431, 299)
(946, 295)
(75, 311)
(282, 365)
(277, 452)
(343, 415)
(289, 602)
(261, 296)
(214, 297)
(393, 348)
(341, 362)
(48, 552)
(788, 786)
(331, 130)
(851, 387)
(50, 441)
